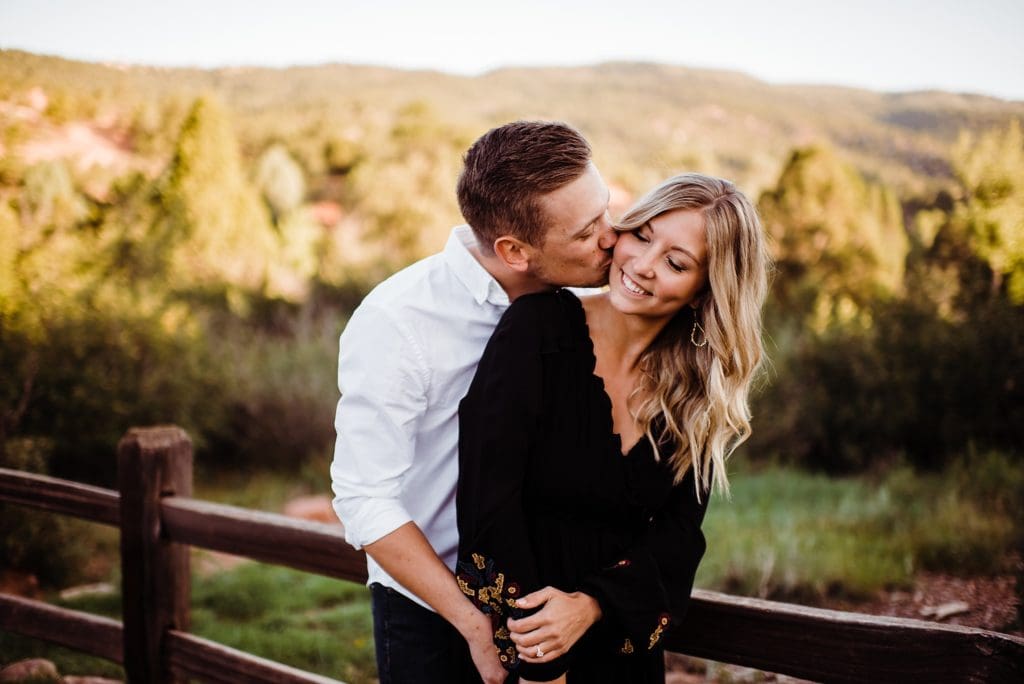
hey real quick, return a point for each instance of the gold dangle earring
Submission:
(693, 333)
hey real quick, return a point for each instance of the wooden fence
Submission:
(159, 520)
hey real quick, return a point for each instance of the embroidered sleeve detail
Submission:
(627, 647)
(495, 597)
(656, 634)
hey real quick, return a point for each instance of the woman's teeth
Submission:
(631, 285)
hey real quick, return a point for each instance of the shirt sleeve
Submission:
(498, 422)
(648, 589)
(383, 381)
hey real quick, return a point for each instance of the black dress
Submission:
(545, 497)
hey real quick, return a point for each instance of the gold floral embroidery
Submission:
(627, 647)
(656, 634)
(495, 597)
(492, 594)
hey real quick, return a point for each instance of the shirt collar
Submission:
(468, 270)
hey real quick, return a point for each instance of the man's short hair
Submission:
(509, 168)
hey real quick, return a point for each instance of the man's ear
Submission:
(513, 253)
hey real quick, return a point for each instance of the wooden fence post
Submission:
(156, 586)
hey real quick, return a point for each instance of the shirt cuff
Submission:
(366, 520)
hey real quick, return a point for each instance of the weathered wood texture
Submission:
(834, 646)
(153, 463)
(157, 519)
(191, 657)
(98, 636)
(311, 546)
(60, 496)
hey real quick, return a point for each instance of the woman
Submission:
(661, 362)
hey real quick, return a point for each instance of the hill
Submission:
(645, 120)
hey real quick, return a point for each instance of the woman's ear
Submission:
(513, 253)
(701, 298)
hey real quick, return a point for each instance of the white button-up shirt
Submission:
(406, 360)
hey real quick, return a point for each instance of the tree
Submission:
(279, 177)
(49, 198)
(839, 241)
(212, 221)
(406, 190)
(990, 169)
(8, 256)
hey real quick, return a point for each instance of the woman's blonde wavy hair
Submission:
(696, 397)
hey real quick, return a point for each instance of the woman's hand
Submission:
(552, 631)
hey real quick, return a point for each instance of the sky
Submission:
(889, 45)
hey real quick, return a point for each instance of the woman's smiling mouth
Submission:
(631, 285)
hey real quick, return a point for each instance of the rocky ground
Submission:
(984, 602)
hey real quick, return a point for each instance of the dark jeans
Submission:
(416, 645)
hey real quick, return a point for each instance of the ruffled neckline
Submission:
(580, 319)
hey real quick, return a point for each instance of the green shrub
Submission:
(48, 546)
(280, 398)
(93, 378)
(912, 386)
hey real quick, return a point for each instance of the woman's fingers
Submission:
(536, 598)
(541, 652)
(550, 643)
(526, 625)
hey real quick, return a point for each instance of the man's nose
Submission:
(608, 238)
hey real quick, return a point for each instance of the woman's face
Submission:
(660, 267)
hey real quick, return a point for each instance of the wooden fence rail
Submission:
(159, 520)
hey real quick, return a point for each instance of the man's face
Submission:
(577, 248)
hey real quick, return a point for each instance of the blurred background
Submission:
(194, 197)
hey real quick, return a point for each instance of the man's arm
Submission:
(384, 387)
(406, 555)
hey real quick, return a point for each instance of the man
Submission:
(536, 209)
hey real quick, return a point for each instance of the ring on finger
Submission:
(539, 653)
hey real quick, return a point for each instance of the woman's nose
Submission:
(643, 263)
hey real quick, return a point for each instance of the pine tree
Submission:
(990, 169)
(212, 221)
(839, 241)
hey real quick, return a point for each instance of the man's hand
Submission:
(407, 556)
(555, 627)
(482, 650)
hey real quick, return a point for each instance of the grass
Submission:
(314, 623)
(794, 535)
(264, 490)
(785, 534)
(310, 622)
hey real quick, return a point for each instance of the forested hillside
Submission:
(184, 245)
